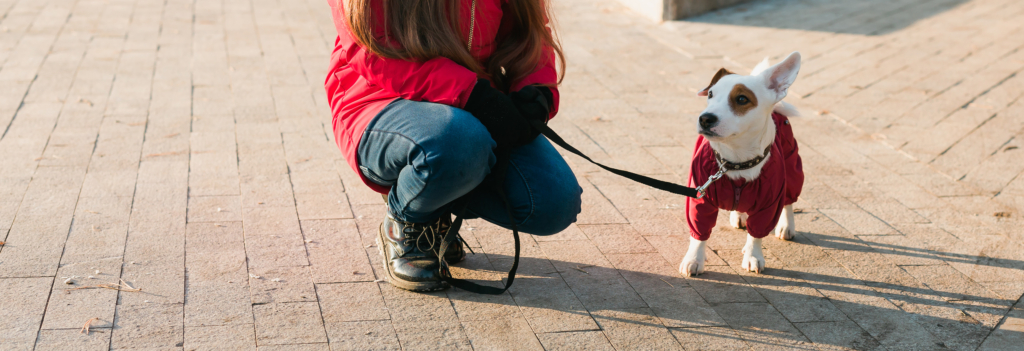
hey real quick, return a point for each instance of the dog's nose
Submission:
(708, 120)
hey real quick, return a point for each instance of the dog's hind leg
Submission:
(786, 228)
(738, 220)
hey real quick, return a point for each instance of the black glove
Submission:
(496, 111)
(534, 103)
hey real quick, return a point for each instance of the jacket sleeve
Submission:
(545, 74)
(701, 214)
(439, 80)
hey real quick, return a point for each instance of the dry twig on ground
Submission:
(85, 328)
(123, 286)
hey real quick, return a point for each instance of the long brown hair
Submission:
(420, 30)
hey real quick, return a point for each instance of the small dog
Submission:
(744, 132)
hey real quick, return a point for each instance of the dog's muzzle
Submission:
(707, 121)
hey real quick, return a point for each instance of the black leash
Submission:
(497, 180)
(645, 180)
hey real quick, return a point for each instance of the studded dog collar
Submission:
(729, 166)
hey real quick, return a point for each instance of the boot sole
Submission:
(398, 282)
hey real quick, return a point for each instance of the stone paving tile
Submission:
(840, 335)
(296, 347)
(288, 323)
(363, 335)
(667, 294)
(1009, 333)
(26, 302)
(635, 329)
(147, 325)
(762, 326)
(237, 337)
(428, 322)
(581, 340)
(189, 154)
(709, 338)
(502, 333)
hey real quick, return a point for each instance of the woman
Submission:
(420, 112)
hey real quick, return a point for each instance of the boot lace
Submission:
(432, 234)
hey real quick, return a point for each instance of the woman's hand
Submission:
(534, 103)
(500, 115)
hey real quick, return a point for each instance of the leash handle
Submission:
(497, 180)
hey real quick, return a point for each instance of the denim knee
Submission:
(461, 149)
(557, 209)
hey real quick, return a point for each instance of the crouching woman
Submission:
(424, 94)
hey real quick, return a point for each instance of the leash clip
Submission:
(701, 189)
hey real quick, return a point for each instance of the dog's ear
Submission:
(778, 78)
(721, 73)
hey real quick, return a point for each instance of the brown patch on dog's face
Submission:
(742, 99)
(721, 73)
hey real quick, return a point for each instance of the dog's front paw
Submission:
(693, 262)
(753, 257)
(738, 220)
(786, 228)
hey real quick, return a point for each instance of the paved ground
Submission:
(184, 148)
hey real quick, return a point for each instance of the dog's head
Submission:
(738, 104)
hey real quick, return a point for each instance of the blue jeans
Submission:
(431, 154)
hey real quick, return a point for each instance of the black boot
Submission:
(410, 252)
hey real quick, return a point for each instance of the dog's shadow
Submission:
(643, 293)
(847, 17)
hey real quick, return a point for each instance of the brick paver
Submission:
(184, 148)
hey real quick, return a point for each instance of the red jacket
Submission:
(779, 185)
(359, 84)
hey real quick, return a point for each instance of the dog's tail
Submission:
(786, 109)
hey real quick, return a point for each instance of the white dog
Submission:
(745, 134)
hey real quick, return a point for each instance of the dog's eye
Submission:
(710, 95)
(742, 100)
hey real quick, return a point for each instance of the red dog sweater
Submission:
(762, 199)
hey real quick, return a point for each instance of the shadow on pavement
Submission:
(866, 17)
(784, 307)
